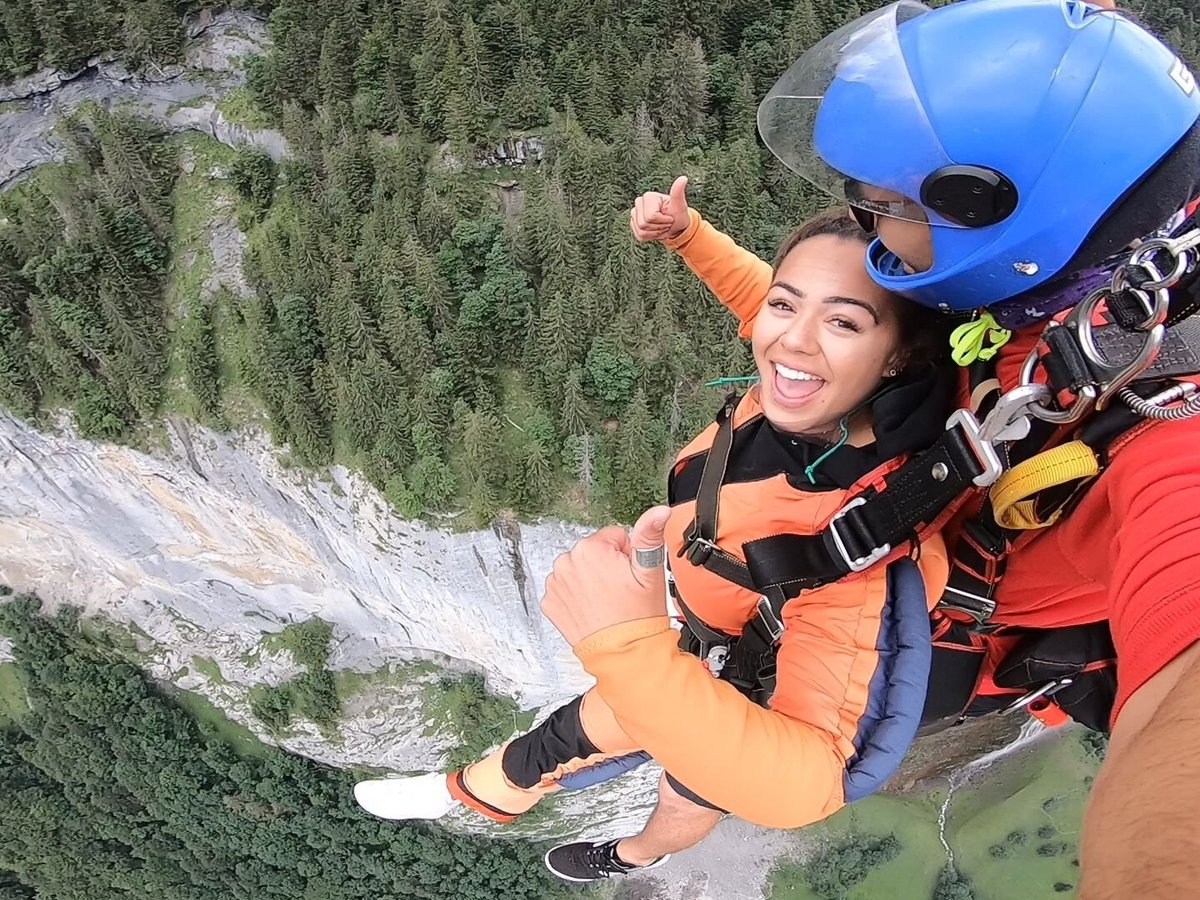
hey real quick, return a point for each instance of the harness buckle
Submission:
(978, 607)
(855, 563)
(982, 447)
(698, 550)
(770, 622)
(715, 659)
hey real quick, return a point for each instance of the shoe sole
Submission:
(558, 874)
(424, 816)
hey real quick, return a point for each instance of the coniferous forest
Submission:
(467, 336)
(111, 791)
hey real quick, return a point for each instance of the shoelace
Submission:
(603, 858)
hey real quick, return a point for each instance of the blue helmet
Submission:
(1011, 126)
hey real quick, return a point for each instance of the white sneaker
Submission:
(414, 797)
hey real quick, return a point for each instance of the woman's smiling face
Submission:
(825, 336)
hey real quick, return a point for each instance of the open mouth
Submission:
(794, 386)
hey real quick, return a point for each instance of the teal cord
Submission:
(810, 470)
(731, 379)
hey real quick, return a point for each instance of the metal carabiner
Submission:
(1046, 690)
(1113, 377)
(1009, 418)
(1085, 398)
(1143, 257)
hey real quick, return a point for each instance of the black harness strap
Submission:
(1179, 353)
(976, 569)
(866, 529)
(707, 636)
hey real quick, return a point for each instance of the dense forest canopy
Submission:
(465, 335)
(110, 791)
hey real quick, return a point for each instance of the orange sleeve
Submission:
(781, 767)
(738, 278)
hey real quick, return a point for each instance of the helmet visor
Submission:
(835, 112)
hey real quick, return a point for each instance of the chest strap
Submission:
(700, 541)
(860, 534)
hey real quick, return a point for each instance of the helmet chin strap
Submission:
(887, 262)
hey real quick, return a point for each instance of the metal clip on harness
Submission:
(1010, 418)
(1142, 279)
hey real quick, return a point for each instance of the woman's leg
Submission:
(676, 824)
(680, 820)
(514, 778)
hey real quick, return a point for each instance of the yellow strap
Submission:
(978, 339)
(1014, 495)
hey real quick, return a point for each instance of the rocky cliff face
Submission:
(180, 98)
(206, 547)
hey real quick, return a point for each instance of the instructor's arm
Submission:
(1141, 831)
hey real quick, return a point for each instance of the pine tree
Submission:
(574, 406)
(18, 390)
(682, 89)
(378, 103)
(536, 476)
(20, 42)
(526, 99)
(153, 31)
(637, 480)
(201, 364)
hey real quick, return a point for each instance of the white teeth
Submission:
(794, 374)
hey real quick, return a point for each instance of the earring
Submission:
(891, 373)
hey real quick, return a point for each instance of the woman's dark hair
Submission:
(924, 333)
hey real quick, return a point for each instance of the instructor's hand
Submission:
(599, 582)
(660, 217)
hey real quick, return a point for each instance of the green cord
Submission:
(731, 379)
(810, 470)
(978, 340)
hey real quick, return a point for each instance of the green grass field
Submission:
(1017, 834)
(12, 694)
(1014, 831)
(212, 722)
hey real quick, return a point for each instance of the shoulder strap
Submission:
(864, 531)
(700, 541)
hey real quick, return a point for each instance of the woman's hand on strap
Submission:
(660, 217)
(601, 582)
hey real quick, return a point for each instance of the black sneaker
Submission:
(584, 861)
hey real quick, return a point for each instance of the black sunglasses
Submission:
(864, 218)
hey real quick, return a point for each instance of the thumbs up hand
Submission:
(609, 578)
(659, 217)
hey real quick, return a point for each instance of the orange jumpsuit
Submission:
(786, 765)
